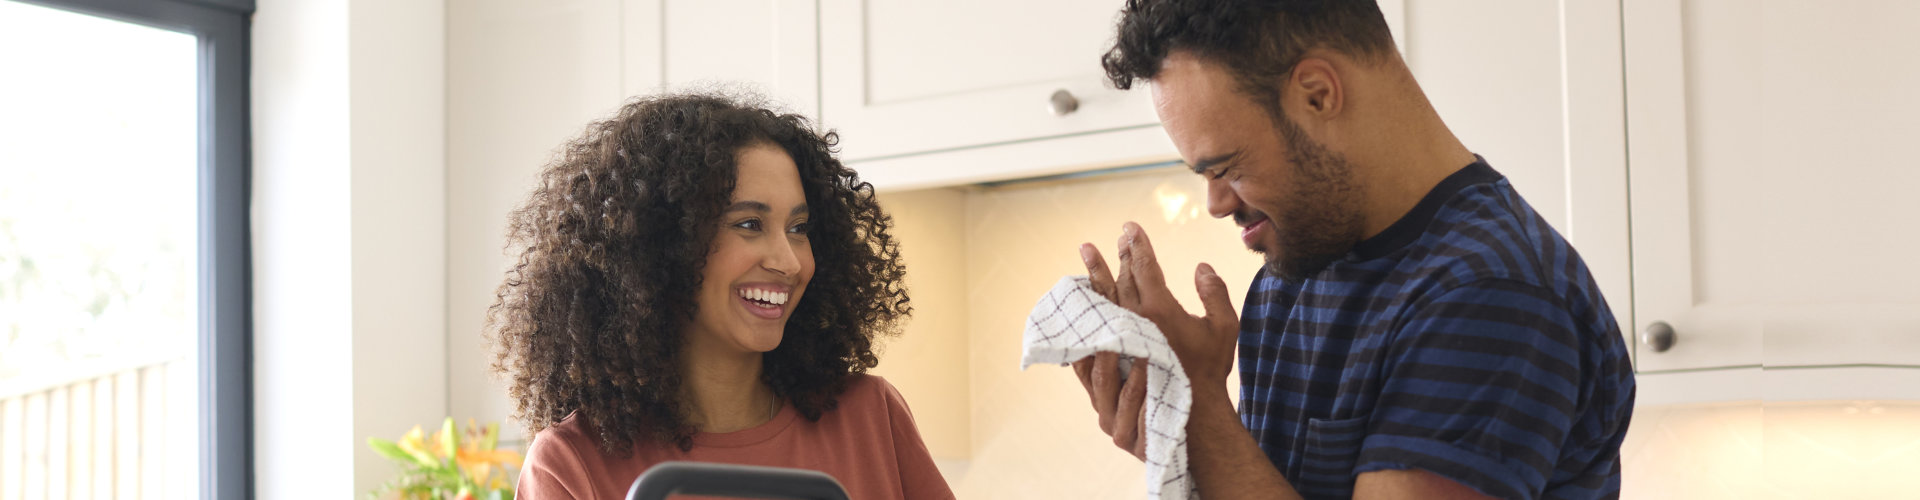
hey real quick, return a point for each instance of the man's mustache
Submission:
(1247, 217)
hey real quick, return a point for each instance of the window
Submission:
(124, 303)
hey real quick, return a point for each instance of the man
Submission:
(1418, 330)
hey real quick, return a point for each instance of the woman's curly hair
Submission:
(590, 319)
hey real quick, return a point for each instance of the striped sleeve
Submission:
(1480, 387)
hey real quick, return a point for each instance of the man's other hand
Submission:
(1120, 404)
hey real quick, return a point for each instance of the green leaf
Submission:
(449, 440)
(449, 475)
(381, 490)
(388, 449)
(493, 437)
(424, 459)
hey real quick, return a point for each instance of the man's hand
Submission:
(1121, 406)
(1204, 345)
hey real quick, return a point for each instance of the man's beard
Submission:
(1319, 221)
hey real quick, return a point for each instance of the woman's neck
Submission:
(725, 389)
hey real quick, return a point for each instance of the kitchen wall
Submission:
(560, 71)
(349, 232)
(929, 359)
(1742, 450)
(1031, 434)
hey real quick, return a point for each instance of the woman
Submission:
(702, 280)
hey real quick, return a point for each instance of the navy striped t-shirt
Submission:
(1468, 339)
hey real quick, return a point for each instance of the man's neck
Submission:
(1412, 154)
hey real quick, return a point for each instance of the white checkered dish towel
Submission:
(1072, 322)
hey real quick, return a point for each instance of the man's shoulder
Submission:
(1488, 232)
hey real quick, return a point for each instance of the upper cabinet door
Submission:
(768, 47)
(1535, 88)
(928, 93)
(907, 76)
(1771, 181)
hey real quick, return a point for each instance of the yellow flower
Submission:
(444, 442)
(414, 443)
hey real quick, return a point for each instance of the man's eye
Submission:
(1218, 172)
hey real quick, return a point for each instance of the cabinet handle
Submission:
(1659, 336)
(1062, 103)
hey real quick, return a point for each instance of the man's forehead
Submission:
(1195, 110)
(1190, 85)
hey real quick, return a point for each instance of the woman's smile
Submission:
(765, 300)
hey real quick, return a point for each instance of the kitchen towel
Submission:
(1072, 322)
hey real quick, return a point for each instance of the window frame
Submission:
(224, 372)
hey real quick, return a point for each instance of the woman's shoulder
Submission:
(561, 442)
(555, 466)
(868, 402)
(869, 391)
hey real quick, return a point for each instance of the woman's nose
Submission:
(782, 258)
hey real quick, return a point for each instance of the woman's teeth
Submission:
(767, 296)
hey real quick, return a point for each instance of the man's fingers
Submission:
(1084, 369)
(1124, 291)
(1097, 273)
(1140, 442)
(1144, 265)
(1214, 297)
(1127, 416)
(1106, 387)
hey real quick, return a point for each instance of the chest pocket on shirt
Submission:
(1327, 460)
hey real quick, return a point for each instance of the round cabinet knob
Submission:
(1659, 336)
(1062, 103)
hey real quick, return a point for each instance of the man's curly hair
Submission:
(614, 237)
(1259, 41)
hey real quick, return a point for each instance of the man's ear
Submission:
(1314, 88)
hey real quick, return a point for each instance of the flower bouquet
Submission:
(449, 467)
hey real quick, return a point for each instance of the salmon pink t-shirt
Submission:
(869, 443)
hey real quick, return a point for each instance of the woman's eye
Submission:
(801, 228)
(749, 224)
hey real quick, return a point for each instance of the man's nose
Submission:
(1221, 200)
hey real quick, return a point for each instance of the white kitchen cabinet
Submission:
(903, 77)
(1771, 184)
(941, 93)
(1547, 112)
(769, 46)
